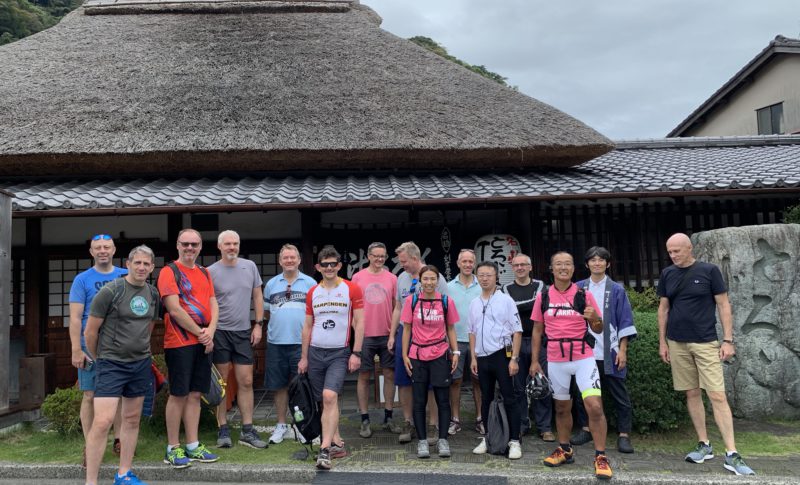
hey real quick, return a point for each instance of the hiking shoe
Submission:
(251, 439)
(581, 437)
(224, 438)
(736, 464)
(278, 434)
(177, 458)
(365, 431)
(337, 451)
(548, 437)
(324, 459)
(405, 434)
(701, 453)
(514, 450)
(560, 457)
(455, 427)
(443, 446)
(433, 435)
(423, 450)
(202, 454)
(481, 448)
(479, 427)
(392, 427)
(117, 447)
(128, 479)
(602, 469)
(624, 444)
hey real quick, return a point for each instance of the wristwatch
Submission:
(515, 358)
(455, 352)
(357, 353)
(726, 341)
(260, 322)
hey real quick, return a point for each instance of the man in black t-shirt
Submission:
(523, 291)
(690, 291)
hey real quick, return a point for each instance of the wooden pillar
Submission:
(5, 294)
(36, 285)
(309, 222)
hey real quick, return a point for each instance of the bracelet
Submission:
(357, 353)
(726, 341)
(455, 352)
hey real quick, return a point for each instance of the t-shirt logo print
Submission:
(328, 325)
(139, 306)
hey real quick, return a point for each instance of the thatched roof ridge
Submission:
(260, 91)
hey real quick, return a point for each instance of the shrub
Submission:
(643, 301)
(791, 215)
(63, 410)
(656, 406)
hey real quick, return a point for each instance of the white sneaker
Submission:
(514, 450)
(277, 435)
(481, 448)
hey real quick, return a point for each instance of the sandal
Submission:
(455, 426)
(479, 425)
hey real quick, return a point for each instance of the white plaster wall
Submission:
(778, 82)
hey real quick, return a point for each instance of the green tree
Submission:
(21, 18)
(791, 215)
(438, 49)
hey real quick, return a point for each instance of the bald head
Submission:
(679, 248)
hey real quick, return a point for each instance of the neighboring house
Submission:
(763, 98)
(304, 122)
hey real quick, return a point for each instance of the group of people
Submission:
(429, 336)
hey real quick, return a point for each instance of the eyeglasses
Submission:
(378, 256)
(189, 244)
(328, 264)
(288, 291)
(485, 275)
(520, 265)
(98, 237)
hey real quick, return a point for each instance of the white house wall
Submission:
(776, 83)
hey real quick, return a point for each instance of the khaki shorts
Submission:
(696, 365)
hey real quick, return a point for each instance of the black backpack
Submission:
(301, 396)
(578, 305)
(497, 429)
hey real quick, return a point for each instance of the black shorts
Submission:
(122, 379)
(434, 373)
(189, 370)
(233, 346)
(327, 369)
(376, 346)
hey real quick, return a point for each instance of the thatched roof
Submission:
(259, 86)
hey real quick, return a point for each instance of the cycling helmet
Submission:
(538, 387)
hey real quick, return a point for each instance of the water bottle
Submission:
(298, 414)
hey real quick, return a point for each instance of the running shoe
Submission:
(324, 459)
(481, 448)
(736, 464)
(560, 457)
(177, 458)
(365, 431)
(201, 454)
(455, 426)
(443, 446)
(128, 479)
(278, 434)
(252, 439)
(514, 450)
(337, 451)
(423, 451)
(602, 469)
(405, 435)
(701, 453)
(224, 438)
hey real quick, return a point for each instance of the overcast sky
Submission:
(628, 68)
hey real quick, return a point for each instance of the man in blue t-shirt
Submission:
(285, 314)
(690, 293)
(84, 287)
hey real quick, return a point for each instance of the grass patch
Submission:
(748, 443)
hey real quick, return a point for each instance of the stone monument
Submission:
(761, 266)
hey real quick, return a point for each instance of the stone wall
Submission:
(761, 266)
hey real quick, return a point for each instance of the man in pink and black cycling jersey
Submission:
(569, 354)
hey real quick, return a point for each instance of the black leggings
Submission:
(493, 369)
(426, 372)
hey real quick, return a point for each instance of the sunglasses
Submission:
(189, 244)
(288, 291)
(328, 264)
(98, 237)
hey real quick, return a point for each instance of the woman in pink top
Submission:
(427, 320)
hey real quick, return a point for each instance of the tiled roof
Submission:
(640, 168)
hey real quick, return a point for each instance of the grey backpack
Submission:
(497, 433)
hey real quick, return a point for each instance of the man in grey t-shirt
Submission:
(237, 283)
(117, 333)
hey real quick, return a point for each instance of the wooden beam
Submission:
(35, 288)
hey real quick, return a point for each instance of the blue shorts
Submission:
(122, 379)
(401, 377)
(86, 378)
(281, 365)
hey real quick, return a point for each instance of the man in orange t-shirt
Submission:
(190, 323)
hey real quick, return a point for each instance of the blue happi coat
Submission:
(617, 323)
